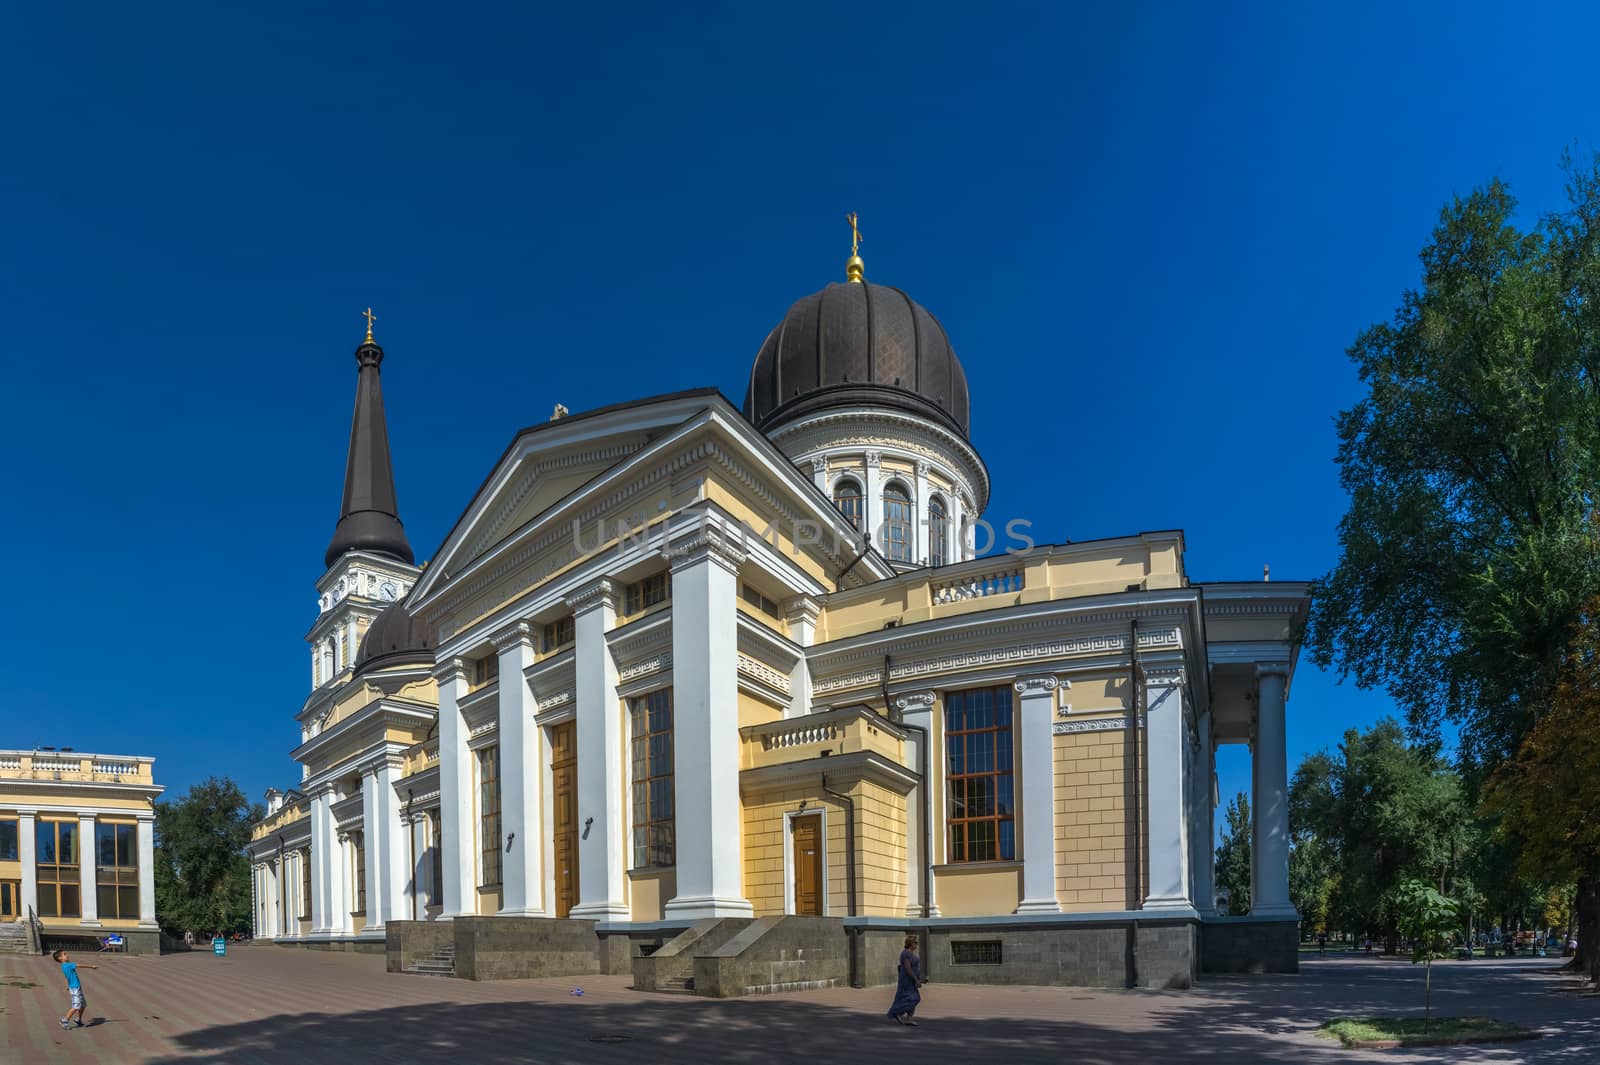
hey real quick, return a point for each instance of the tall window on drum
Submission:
(848, 499)
(938, 532)
(978, 775)
(896, 523)
(489, 815)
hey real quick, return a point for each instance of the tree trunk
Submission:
(1588, 906)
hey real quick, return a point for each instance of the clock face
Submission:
(386, 592)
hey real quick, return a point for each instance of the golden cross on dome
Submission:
(855, 234)
(370, 317)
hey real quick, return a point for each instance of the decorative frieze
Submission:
(1090, 724)
(644, 667)
(763, 673)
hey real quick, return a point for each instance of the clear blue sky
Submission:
(1151, 235)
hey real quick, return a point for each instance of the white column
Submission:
(394, 852)
(1035, 715)
(321, 852)
(705, 729)
(27, 839)
(819, 472)
(147, 871)
(800, 614)
(921, 531)
(872, 500)
(958, 529)
(88, 897)
(1205, 888)
(522, 872)
(455, 794)
(372, 850)
(602, 808)
(1270, 804)
(916, 709)
(1166, 736)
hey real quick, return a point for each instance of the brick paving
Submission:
(265, 1004)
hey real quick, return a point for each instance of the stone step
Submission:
(423, 968)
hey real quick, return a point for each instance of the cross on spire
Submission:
(370, 317)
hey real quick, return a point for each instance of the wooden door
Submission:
(10, 900)
(564, 789)
(806, 835)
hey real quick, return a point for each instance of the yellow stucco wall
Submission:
(980, 890)
(756, 711)
(1093, 822)
(649, 891)
(880, 848)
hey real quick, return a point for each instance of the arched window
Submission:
(938, 532)
(896, 523)
(847, 497)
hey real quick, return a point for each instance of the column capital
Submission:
(708, 542)
(449, 669)
(874, 459)
(912, 702)
(819, 464)
(601, 591)
(922, 467)
(1037, 684)
(1163, 676)
(517, 633)
(802, 609)
(1272, 669)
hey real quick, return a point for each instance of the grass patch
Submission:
(1408, 1031)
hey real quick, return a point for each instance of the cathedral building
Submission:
(735, 698)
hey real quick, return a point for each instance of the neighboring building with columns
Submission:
(680, 661)
(77, 846)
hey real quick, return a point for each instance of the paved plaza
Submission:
(272, 1004)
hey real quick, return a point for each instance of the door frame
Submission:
(546, 756)
(818, 811)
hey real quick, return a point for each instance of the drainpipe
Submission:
(850, 871)
(922, 786)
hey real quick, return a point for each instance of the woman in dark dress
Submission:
(906, 995)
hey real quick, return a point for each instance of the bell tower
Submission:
(369, 560)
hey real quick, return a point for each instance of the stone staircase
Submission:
(441, 962)
(14, 938)
(671, 968)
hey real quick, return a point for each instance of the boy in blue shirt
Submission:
(69, 969)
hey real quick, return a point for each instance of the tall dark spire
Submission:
(370, 517)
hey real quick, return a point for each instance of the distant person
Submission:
(1322, 942)
(906, 993)
(69, 969)
(188, 938)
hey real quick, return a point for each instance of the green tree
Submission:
(1471, 465)
(1233, 856)
(1426, 919)
(1369, 816)
(202, 876)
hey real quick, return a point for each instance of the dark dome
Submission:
(394, 636)
(857, 342)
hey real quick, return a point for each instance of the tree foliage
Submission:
(1426, 918)
(202, 877)
(1369, 816)
(1470, 465)
(1233, 856)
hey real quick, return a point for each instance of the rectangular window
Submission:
(642, 595)
(359, 843)
(975, 952)
(978, 775)
(305, 884)
(8, 840)
(761, 602)
(489, 814)
(558, 634)
(56, 858)
(485, 669)
(116, 873)
(654, 835)
(436, 885)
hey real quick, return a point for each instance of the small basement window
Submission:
(975, 952)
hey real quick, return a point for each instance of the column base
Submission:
(1038, 906)
(601, 911)
(1275, 913)
(1169, 902)
(698, 906)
